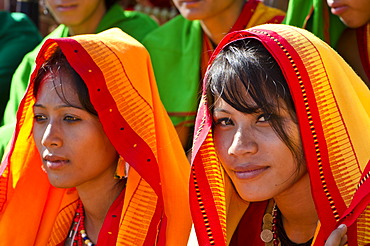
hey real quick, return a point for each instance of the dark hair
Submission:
(110, 3)
(56, 66)
(245, 67)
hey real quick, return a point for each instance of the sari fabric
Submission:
(327, 94)
(315, 16)
(121, 84)
(363, 42)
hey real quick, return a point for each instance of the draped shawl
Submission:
(332, 105)
(118, 74)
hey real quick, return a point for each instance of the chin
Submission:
(252, 196)
(58, 182)
(352, 23)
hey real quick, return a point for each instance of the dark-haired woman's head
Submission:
(67, 131)
(56, 67)
(254, 117)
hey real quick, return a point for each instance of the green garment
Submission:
(18, 36)
(320, 21)
(136, 24)
(175, 51)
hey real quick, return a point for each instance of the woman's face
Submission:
(353, 13)
(203, 9)
(258, 162)
(77, 13)
(73, 146)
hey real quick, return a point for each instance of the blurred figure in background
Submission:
(343, 24)
(354, 43)
(18, 36)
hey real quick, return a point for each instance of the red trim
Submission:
(204, 213)
(134, 149)
(326, 26)
(302, 94)
(140, 157)
(246, 15)
(181, 113)
(363, 39)
(110, 228)
(248, 232)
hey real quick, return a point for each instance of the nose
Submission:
(243, 142)
(52, 136)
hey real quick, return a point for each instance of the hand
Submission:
(338, 237)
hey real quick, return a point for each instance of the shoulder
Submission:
(136, 24)
(175, 32)
(17, 23)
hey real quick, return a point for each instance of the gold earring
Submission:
(45, 9)
(121, 169)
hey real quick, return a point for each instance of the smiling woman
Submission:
(277, 158)
(95, 158)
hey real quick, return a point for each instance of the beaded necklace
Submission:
(273, 233)
(269, 232)
(78, 233)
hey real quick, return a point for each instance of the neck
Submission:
(298, 211)
(216, 27)
(97, 201)
(90, 24)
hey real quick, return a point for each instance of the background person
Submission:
(18, 36)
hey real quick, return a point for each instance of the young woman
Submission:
(279, 158)
(78, 17)
(91, 112)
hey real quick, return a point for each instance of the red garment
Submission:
(363, 42)
(109, 231)
(243, 21)
(247, 233)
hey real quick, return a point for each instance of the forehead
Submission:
(57, 87)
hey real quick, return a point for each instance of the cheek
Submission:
(221, 142)
(37, 134)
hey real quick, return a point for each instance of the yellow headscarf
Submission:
(333, 110)
(119, 77)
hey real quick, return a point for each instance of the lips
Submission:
(190, 3)
(54, 162)
(66, 7)
(337, 8)
(249, 171)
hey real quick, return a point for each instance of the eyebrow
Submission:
(221, 110)
(37, 105)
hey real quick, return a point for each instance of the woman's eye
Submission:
(71, 118)
(39, 117)
(264, 118)
(224, 122)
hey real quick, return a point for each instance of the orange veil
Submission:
(333, 111)
(118, 73)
